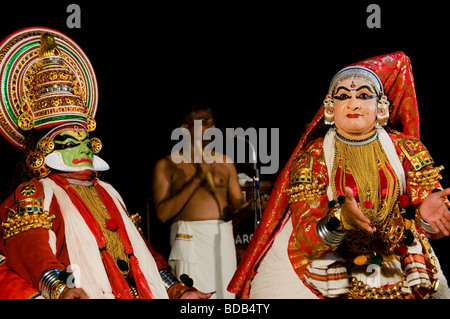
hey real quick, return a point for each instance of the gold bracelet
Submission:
(178, 289)
(57, 290)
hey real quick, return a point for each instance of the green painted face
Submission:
(75, 148)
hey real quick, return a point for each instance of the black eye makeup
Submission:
(365, 96)
(360, 95)
(63, 142)
(342, 97)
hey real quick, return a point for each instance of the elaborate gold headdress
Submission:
(46, 80)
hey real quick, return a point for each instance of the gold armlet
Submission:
(416, 153)
(426, 177)
(16, 222)
(28, 212)
(304, 191)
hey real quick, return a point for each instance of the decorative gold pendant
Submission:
(96, 145)
(91, 123)
(46, 145)
(35, 164)
(25, 121)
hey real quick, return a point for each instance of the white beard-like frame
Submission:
(54, 160)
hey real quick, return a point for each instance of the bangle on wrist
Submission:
(333, 228)
(168, 278)
(50, 286)
(175, 288)
(329, 237)
(178, 289)
(423, 224)
(58, 290)
(426, 227)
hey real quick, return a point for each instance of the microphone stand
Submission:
(256, 194)
(256, 182)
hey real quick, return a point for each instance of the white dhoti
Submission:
(204, 250)
(276, 278)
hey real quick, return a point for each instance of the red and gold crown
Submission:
(46, 80)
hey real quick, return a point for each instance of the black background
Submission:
(261, 65)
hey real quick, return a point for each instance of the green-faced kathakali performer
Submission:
(64, 232)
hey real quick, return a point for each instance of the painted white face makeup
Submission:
(355, 107)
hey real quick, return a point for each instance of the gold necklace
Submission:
(113, 243)
(364, 162)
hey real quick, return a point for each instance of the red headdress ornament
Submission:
(395, 73)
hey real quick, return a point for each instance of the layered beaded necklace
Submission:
(364, 160)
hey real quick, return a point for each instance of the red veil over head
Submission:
(395, 73)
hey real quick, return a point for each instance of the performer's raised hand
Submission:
(353, 215)
(435, 212)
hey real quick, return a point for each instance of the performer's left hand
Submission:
(435, 212)
(196, 295)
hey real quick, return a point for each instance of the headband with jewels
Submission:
(46, 81)
(360, 71)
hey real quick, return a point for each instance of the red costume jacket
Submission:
(26, 246)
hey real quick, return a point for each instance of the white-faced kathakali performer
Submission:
(351, 212)
(64, 232)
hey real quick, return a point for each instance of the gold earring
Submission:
(96, 145)
(383, 111)
(35, 164)
(46, 145)
(328, 111)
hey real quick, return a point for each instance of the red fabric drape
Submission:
(118, 283)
